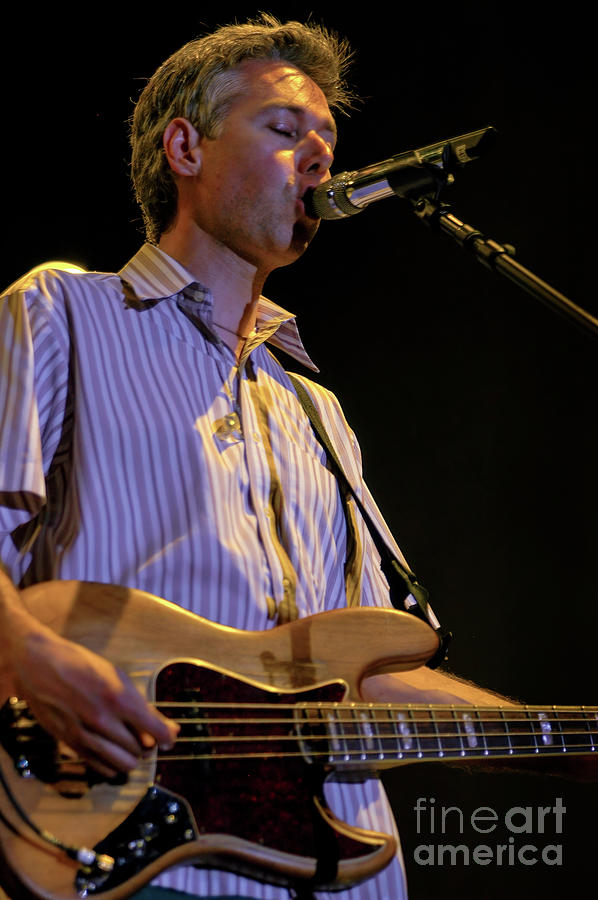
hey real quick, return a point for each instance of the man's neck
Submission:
(235, 284)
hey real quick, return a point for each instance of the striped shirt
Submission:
(135, 450)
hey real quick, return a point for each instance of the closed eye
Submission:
(284, 130)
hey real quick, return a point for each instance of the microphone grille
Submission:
(330, 201)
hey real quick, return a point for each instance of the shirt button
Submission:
(271, 604)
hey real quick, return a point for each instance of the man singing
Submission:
(151, 439)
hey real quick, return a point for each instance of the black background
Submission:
(474, 403)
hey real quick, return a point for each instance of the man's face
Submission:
(274, 144)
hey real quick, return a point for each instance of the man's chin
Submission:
(295, 245)
(304, 233)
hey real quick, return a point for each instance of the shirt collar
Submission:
(154, 275)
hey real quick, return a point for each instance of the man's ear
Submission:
(181, 142)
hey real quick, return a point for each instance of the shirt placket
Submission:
(248, 421)
(267, 498)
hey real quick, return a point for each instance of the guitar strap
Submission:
(401, 579)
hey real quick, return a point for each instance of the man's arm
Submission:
(426, 685)
(77, 696)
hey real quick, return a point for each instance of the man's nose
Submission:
(316, 154)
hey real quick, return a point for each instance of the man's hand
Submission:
(75, 695)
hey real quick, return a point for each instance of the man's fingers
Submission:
(109, 736)
(83, 699)
(151, 727)
(121, 736)
(106, 756)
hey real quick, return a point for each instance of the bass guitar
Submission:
(265, 717)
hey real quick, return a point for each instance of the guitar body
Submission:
(244, 801)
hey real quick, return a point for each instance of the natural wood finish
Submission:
(141, 633)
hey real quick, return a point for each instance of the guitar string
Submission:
(338, 757)
(426, 743)
(348, 754)
(412, 736)
(519, 713)
(325, 716)
(357, 736)
(416, 707)
(387, 727)
(320, 717)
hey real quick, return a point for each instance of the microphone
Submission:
(350, 192)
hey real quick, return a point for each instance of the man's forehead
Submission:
(278, 84)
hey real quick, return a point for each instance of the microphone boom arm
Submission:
(499, 258)
(419, 176)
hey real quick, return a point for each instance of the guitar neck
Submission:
(384, 735)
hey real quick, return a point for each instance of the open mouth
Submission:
(307, 204)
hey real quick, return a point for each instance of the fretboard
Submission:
(382, 734)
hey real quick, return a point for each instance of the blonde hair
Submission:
(201, 80)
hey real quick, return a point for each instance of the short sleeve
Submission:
(33, 385)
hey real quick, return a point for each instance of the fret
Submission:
(449, 735)
(503, 713)
(462, 742)
(494, 732)
(424, 721)
(585, 724)
(546, 731)
(482, 731)
(513, 731)
(379, 721)
(592, 732)
(574, 733)
(388, 730)
(520, 731)
(367, 733)
(470, 744)
(535, 731)
(361, 733)
(317, 735)
(471, 737)
(337, 740)
(403, 732)
(534, 742)
(304, 730)
(439, 735)
(418, 750)
(555, 730)
(475, 732)
(362, 737)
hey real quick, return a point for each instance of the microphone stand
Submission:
(421, 185)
